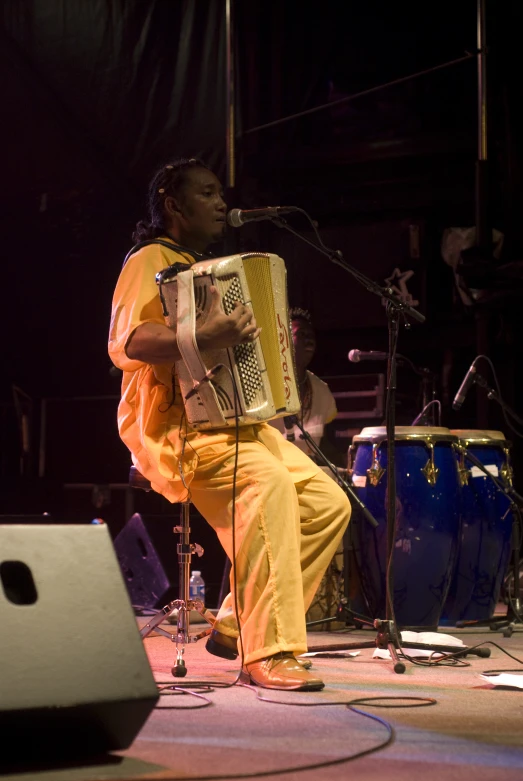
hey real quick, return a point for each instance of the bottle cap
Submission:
(196, 572)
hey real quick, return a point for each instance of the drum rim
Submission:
(481, 436)
(432, 434)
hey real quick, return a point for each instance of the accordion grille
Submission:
(261, 286)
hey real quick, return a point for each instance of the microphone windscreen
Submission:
(234, 218)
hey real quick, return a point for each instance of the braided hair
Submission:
(297, 313)
(167, 181)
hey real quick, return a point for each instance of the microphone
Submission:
(465, 386)
(373, 355)
(206, 377)
(238, 217)
(288, 422)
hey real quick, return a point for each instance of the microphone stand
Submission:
(388, 636)
(293, 420)
(342, 606)
(494, 395)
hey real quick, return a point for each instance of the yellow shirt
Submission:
(148, 419)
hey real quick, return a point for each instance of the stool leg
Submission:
(183, 604)
(184, 573)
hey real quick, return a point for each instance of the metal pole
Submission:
(230, 127)
(483, 230)
(483, 237)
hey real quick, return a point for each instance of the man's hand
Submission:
(155, 343)
(221, 330)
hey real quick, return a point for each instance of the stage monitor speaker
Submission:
(74, 676)
(146, 550)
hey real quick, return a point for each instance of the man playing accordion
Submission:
(289, 515)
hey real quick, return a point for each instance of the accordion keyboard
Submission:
(244, 354)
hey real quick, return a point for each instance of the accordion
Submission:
(260, 374)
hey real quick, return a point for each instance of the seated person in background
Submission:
(318, 404)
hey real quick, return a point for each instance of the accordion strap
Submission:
(191, 356)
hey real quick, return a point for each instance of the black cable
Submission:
(351, 705)
(237, 404)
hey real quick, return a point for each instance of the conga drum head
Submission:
(378, 434)
(480, 436)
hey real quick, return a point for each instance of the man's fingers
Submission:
(250, 335)
(216, 300)
(240, 311)
(245, 318)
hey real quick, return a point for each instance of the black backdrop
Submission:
(96, 94)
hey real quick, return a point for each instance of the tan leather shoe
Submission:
(281, 671)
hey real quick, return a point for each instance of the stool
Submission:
(183, 604)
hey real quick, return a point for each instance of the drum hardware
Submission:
(430, 470)
(463, 471)
(376, 471)
(506, 471)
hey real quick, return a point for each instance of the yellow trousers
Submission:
(289, 519)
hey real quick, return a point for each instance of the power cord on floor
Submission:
(377, 702)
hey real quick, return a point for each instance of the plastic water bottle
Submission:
(197, 586)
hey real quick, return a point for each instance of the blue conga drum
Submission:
(486, 532)
(427, 524)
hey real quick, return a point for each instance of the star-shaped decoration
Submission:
(398, 283)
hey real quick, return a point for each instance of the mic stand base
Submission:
(387, 639)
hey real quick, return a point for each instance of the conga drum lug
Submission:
(374, 475)
(464, 473)
(430, 470)
(376, 471)
(506, 472)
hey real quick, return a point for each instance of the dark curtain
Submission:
(96, 95)
(109, 88)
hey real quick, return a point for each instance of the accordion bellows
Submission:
(263, 371)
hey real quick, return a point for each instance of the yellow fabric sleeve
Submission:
(136, 301)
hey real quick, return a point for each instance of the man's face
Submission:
(202, 209)
(304, 342)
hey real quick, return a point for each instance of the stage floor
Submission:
(474, 730)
